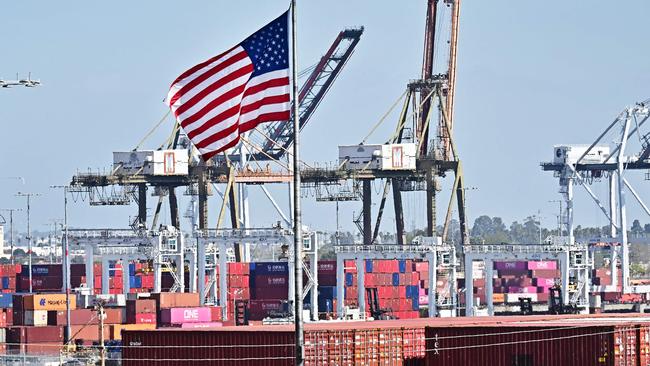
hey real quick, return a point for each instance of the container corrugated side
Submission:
(209, 347)
(528, 345)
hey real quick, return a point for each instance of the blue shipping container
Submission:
(349, 279)
(369, 265)
(395, 279)
(138, 282)
(5, 282)
(402, 266)
(269, 268)
(131, 268)
(416, 303)
(6, 301)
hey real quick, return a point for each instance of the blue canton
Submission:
(268, 48)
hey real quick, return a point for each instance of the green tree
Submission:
(636, 229)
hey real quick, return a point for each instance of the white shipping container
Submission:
(398, 156)
(150, 162)
(513, 298)
(360, 156)
(384, 157)
(570, 154)
(37, 318)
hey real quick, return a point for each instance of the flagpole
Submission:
(297, 225)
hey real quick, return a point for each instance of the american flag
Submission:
(221, 98)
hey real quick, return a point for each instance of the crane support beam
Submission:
(142, 204)
(367, 214)
(399, 212)
(431, 203)
(173, 208)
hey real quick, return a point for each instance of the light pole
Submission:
(29, 234)
(11, 230)
(66, 261)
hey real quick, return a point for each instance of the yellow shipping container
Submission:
(116, 329)
(498, 298)
(48, 302)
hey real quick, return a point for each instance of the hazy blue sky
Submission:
(530, 74)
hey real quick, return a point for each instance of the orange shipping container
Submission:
(498, 298)
(48, 302)
(116, 329)
(167, 300)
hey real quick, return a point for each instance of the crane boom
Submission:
(311, 93)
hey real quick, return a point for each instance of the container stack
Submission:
(8, 277)
(181, 310)
(6, 309)
(45, 340)
(398, 285)
(141, 311)
(45, 278)
(269, 283)
(520, 279)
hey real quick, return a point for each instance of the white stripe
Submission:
(268, 92)
(178, 85)
(211, 80)
(268, 108)
(220, 126)
(219, 143)
(214, 95)
(259, 79)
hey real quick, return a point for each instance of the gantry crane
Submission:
(584, 165)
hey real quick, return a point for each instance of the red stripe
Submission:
(201, 65)
(219, 67)
(232, 111)
(267, 117)
(216, 85)
(216, 137)
(267, 84)
(273, 99)
(210, 154)
(213, 104)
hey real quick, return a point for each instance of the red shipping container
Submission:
(515, 272)
(351, 293)
(545, 273)
(350, 266)
(140, 306)
(77, 317)
(604, 345)
(148, 318)
(270, 293)
(115, 315)
(35, 334)
(270, 281)
(216, 313)
(327, 267)
(268, 347)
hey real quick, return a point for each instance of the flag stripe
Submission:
(217, 136)
(200, 66)
(267, 117)
(246, 70)
(223, 98)
(220, 118)
(234, 59)
(207, 153)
